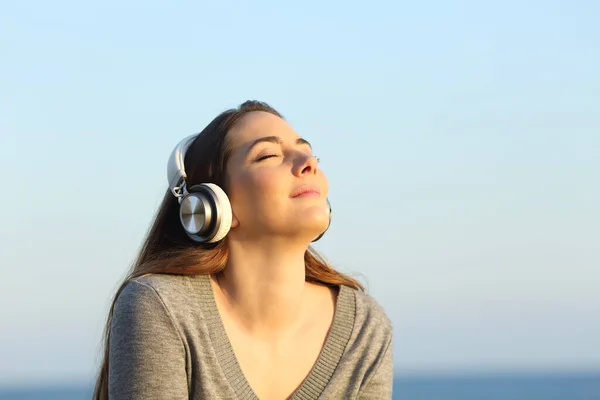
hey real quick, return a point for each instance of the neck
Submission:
(264, 286)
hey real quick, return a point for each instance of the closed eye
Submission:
(265, 157)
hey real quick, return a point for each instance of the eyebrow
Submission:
(276, 140)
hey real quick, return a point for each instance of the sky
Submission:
(461, 140)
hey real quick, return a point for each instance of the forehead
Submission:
(258, 124)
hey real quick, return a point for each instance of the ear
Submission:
(234, 221)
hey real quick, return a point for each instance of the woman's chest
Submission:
(276, 368)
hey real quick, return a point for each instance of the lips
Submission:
(306, 191)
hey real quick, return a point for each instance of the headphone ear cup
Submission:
(196, 212)
(205, 213)
(328, 225)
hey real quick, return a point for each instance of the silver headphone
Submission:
(204, 209)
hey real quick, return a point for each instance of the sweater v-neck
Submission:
(321, 372)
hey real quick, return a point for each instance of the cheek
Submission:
(257, 189)
(265, 187)
(263, 182)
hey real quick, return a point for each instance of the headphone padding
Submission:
(224, 207)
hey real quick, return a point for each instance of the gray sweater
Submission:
(167, 342)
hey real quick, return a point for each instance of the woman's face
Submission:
(274, 183)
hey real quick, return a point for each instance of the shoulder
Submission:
(143, 290)
(160, 283)
(370, 312)
(142, 295)
(157, 291)
(159, 302)
(374, 337)
(139, 314)
(372, 325)
(370, 345)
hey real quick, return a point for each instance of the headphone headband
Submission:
(176, 168)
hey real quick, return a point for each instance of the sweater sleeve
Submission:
(379, 386)
(146, 353)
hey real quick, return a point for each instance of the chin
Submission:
(315, 219)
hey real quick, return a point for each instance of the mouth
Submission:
(306, 191)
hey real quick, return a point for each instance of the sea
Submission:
(490, 387)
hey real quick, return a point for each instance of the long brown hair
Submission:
(168, 250)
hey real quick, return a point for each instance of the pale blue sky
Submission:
(461, 140)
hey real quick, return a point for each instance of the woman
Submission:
(227, 300)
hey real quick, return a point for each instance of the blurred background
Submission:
(461, 140)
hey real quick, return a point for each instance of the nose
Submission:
(307, 165)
